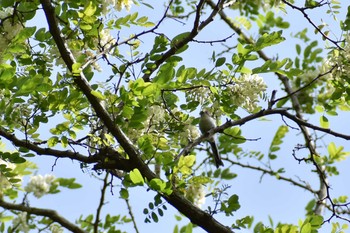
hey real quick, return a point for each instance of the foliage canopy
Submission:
(117, 85)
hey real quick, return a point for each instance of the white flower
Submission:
(341, 59)
(200, 94)
(246, 91)
(196, 194)
(6, 12)
(10, 30)
(156, 114)
(40, 185)
(155, 118)
(56, 228)
(120, 4)
(20, 222)
(116, 4)
(106, 39)
(189, 134)
(94, 64)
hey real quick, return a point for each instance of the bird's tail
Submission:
(217, 157)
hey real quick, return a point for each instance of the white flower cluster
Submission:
(40, 185)
(190, 133)
(94, 65)
(156, 116)
(106, 39)
(8, 29)
(20, 222)
(246, 91)
(341, 58)
(54, 228)
(117, 4)
(200, 94)
(4, 12)
(196, 194)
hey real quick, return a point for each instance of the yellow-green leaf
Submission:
(98, 95)
(136, 177)
(324, 122)
(90, 9)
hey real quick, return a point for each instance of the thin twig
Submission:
(101, 203)
(131, 215)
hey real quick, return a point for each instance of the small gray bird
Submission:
(207, 123)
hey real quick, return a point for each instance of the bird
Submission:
(206, 123)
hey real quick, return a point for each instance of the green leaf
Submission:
(41, 35)
(267, 40)
(124, 193)
(98, 95)
(151, 89)
(151, 205)
(136, 177)
(25, 33)
(76, 69)
(85, 27)
(189, 228)
(7, 3)
(231, 205)
(226, 174)
(68, 183)
(277, 140)
(64, 141)
(200, 180)
(52, 141)
(306, 228)
(220, 61)
(316, 221)
(157, 184)
(179, 38)
(90, 9)
(28, 85)
(337, 94)
(154, 217)
(160, 212)
(324, 122)
(165, 74)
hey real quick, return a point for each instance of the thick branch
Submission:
(84, 86)
(53, 215)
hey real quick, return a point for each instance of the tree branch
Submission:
(228, 124)
(275, 174)
(302, 10)
(46, 151)
(101, 203)
(52, 214)
(131, 215)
